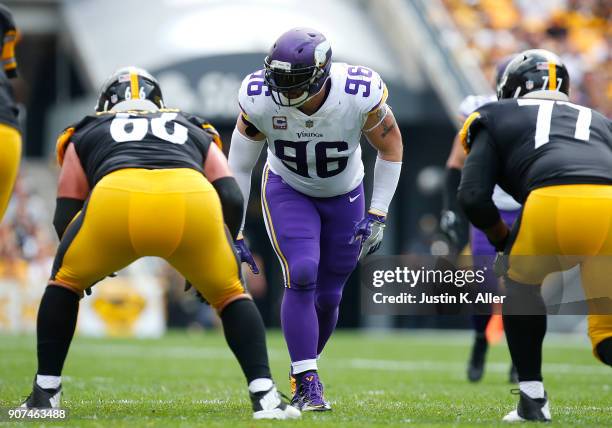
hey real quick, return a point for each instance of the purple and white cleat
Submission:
(308, 396)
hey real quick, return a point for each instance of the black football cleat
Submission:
(529, 409)
(43, 398)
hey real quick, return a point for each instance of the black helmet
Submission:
(533, 70)
(129, 83)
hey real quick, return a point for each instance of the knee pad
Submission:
(303, 273)
(327, 302)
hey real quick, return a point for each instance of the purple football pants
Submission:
(311, 239)
(485, 256)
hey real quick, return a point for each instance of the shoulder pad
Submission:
(66, 137)
(62, 144)
(366, 86)
(253, 96)
(482, 117)
(206, 126)
(466, 135)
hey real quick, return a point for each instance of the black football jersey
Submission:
(544, 143)
(161, 139)
(8, 38)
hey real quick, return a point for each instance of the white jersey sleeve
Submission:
(473, 102)
(368, 88)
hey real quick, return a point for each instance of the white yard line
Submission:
(216, 353)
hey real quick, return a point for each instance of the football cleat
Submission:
(477, 360)
(269, 405)
(308, 396)
(43, 398)
(529, 409)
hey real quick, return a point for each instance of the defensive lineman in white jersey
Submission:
(312, 112)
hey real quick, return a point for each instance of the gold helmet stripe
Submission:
(134, 87)
(552, 76)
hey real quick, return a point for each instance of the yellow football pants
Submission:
(174, 214)
(573, 225)
(10, 141)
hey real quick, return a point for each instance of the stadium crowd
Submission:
(578, 30)
(27, 245)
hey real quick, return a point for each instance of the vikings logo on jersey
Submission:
(319, 154)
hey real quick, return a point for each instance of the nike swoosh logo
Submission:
(352, 199)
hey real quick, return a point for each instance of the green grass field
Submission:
(410, 379)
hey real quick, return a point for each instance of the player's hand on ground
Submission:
(245, 255)
(370, 232)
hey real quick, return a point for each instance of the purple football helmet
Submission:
(297, 66)
(500, 68)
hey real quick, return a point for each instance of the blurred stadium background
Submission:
(431, 53)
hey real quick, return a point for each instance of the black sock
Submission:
(525, 332)
(246, 336)
(604, 350)
(57, 317)
(480, 322)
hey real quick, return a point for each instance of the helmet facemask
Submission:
(292, 87)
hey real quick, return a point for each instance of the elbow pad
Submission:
(232, 203)
(65, 210)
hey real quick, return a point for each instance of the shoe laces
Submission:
(314, 390)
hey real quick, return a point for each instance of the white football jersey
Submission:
(318, 155)
(501, 199)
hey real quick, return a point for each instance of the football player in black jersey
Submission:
(10, 136)
(138, 179)
(555, 158)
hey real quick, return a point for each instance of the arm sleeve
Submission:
(386, 177)
(451, 184)
(232, 203)
(243, 155)
(478, 181)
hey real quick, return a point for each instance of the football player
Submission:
(555, 158)
(10, 136)
(452, 223)
(126, 170)
(312, 112)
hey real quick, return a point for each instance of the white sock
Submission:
(533, 388)
(48, 382)
(260, 384)
(304, 366)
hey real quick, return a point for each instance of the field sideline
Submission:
(372, 379)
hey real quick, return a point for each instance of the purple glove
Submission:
(370, 231)
(245, 255)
